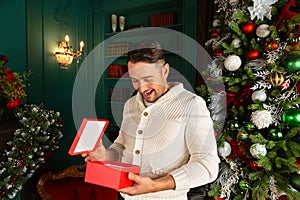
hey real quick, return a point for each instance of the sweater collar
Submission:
(175, 89)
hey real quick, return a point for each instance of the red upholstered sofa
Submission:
(69, 185)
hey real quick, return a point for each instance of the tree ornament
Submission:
(244, 185)
(249, 126)
(259, 95)
(218, 52)
(253, 54)
(283, 197)
(254, 166)
(262, 118)
(262, 30)
(232, 62)
(261, 8)
(294, 181)
(248, 27)
(224, 150)
(243, 136)
(275, 134)
(258, 150)
(276, 79)
(216, 23)
(271, 45)
(233, 2)
(214, 34)
(291, 61)
(236, 43)
(291, 117)
(298, 162)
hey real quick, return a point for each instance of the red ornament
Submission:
(218, 52)
(283, 197)
(298, 88)
(298, 162)
(253, 54)
(214, 34)
(271, 45)
(248, 27)
(253, 165)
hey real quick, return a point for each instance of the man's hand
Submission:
(145, 185)
(98, 154)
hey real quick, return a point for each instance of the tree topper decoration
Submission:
(261, 8)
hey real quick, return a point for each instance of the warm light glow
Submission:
(65, 55)
(81, 44)
(67, 39)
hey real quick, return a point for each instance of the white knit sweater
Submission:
(172, 136)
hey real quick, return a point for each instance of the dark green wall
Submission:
(13, 33)
(47, 23)
(30, 32)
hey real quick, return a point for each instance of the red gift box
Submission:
(110, 174)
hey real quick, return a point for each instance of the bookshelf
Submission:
(143, 20)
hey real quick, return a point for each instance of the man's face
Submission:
(149, 79)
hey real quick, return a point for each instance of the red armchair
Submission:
(69, 185)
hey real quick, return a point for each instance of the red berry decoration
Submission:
(253, 165)
(218, 52)
(248, 27)
(214, 34)
(276, 79)
(283, 197)
(253, 54)
(271, 45)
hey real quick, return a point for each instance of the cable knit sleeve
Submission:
(203, 165)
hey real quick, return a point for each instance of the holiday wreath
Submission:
(33, 142)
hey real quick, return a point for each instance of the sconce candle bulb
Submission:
(65, 55)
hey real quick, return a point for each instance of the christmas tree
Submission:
(256, 56)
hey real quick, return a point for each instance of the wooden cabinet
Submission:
(163, 21)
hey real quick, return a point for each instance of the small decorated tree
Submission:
(256, 54)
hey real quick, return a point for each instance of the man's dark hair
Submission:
(146, 51)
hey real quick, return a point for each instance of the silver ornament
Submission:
(263, 31)
(258, 150)
(233, 2)
(216, 23)
(225, 150)
(232, 62)
(236, 43)
(259, 95)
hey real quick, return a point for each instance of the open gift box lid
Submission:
(88, 135)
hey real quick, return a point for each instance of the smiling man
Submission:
(166, 130)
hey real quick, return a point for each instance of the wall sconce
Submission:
(65, 55)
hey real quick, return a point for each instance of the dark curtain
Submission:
(206, 12)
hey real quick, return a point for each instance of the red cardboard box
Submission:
(110, 174)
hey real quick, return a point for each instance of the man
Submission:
(166, 130)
